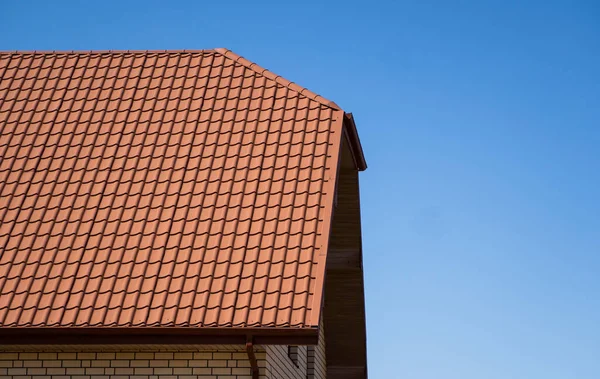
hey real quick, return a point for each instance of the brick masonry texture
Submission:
(316, 365)
(273, 363)
(311, 361)
(129, 365)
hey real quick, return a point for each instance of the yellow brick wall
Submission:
(141, 362)
(128, 365)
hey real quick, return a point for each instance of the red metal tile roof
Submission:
(157, 189)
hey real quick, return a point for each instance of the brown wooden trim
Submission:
(344, 314)
(354, 141)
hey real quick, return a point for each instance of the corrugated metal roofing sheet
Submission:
(151, 189)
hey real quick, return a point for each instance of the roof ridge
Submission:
(107, 51)
(277, 78)
(223, 51)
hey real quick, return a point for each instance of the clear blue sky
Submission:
(480, 121)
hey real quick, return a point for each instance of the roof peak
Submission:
(277, 78)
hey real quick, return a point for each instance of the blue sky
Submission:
(480, 121)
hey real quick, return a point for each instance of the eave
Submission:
(157, 335)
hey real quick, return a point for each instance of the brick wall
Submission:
(311, 361)
(224, 362)
(315, 356)
(160, 362)
(280, 366)
(128, 365)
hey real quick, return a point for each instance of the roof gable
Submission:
(162, 189)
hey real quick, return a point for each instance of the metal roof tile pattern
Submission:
(157, 189)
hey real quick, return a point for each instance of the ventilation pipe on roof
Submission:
(252, 357)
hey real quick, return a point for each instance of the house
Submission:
(175, 214)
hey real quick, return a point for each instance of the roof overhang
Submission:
(355, 146)
(158, 335)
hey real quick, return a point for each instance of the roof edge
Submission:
(132, 51)
(329, 204)
(354, 140)
(150, 335)
(277, 78)
(223, 51)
